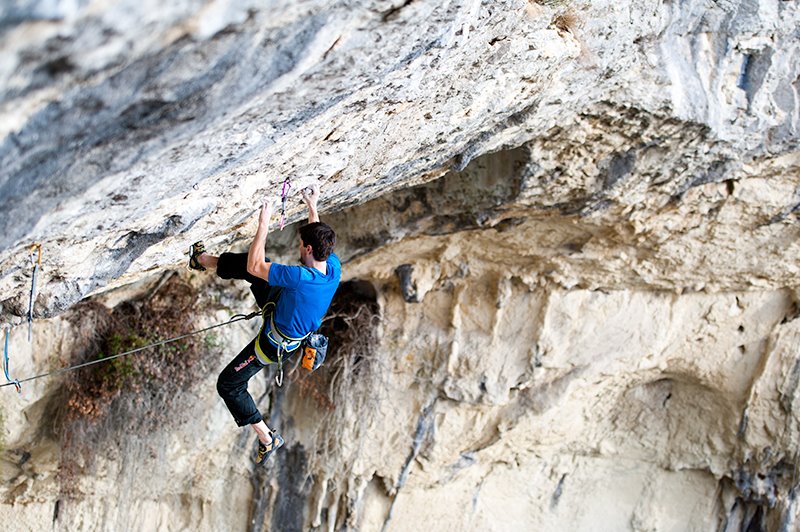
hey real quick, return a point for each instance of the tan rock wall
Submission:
(580, 222)
(494, 402)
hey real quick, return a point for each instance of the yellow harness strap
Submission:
(281, 342)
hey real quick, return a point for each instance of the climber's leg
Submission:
(232, 387)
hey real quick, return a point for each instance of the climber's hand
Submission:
(311, 195)
(266, 212)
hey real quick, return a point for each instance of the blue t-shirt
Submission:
(306, 295)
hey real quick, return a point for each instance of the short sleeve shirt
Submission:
(306, 295)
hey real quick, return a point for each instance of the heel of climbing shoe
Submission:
(197, 249)
(265, 450)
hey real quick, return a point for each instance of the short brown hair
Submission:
(320, 237)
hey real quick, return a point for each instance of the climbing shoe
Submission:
(197, 249)
(264, 450)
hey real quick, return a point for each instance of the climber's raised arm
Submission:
(311, 196)
(255, 256)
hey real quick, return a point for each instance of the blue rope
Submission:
(15, 382)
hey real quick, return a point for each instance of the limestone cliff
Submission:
(569, 237)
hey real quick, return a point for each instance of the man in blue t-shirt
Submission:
(294, 300)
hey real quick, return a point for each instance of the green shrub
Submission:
(164, 370)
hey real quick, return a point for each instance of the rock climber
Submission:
(293, 299)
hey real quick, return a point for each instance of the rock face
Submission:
(568, 230)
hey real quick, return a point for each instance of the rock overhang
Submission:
(125, 141)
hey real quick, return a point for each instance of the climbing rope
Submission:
(35, 264)
(15, 382)
(287, 184)
(233, 319)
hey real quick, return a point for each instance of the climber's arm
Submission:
(311, 196)
(255, 256)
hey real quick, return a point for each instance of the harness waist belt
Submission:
(280, 341)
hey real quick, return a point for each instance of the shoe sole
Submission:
(268, 453)
(200, 267)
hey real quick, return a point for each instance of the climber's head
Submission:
(316, 239)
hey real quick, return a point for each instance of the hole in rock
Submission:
(351, 328)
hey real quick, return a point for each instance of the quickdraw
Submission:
(15, 382)
(35, 264)
(279, 376)
(287, 184)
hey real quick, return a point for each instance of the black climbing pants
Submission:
(234, 266)
(232, 382)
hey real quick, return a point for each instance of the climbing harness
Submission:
(36, 264)
(15, 382)
(233, 319)
(283, 344)
(287, 184)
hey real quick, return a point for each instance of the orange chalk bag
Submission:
(315, 347)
